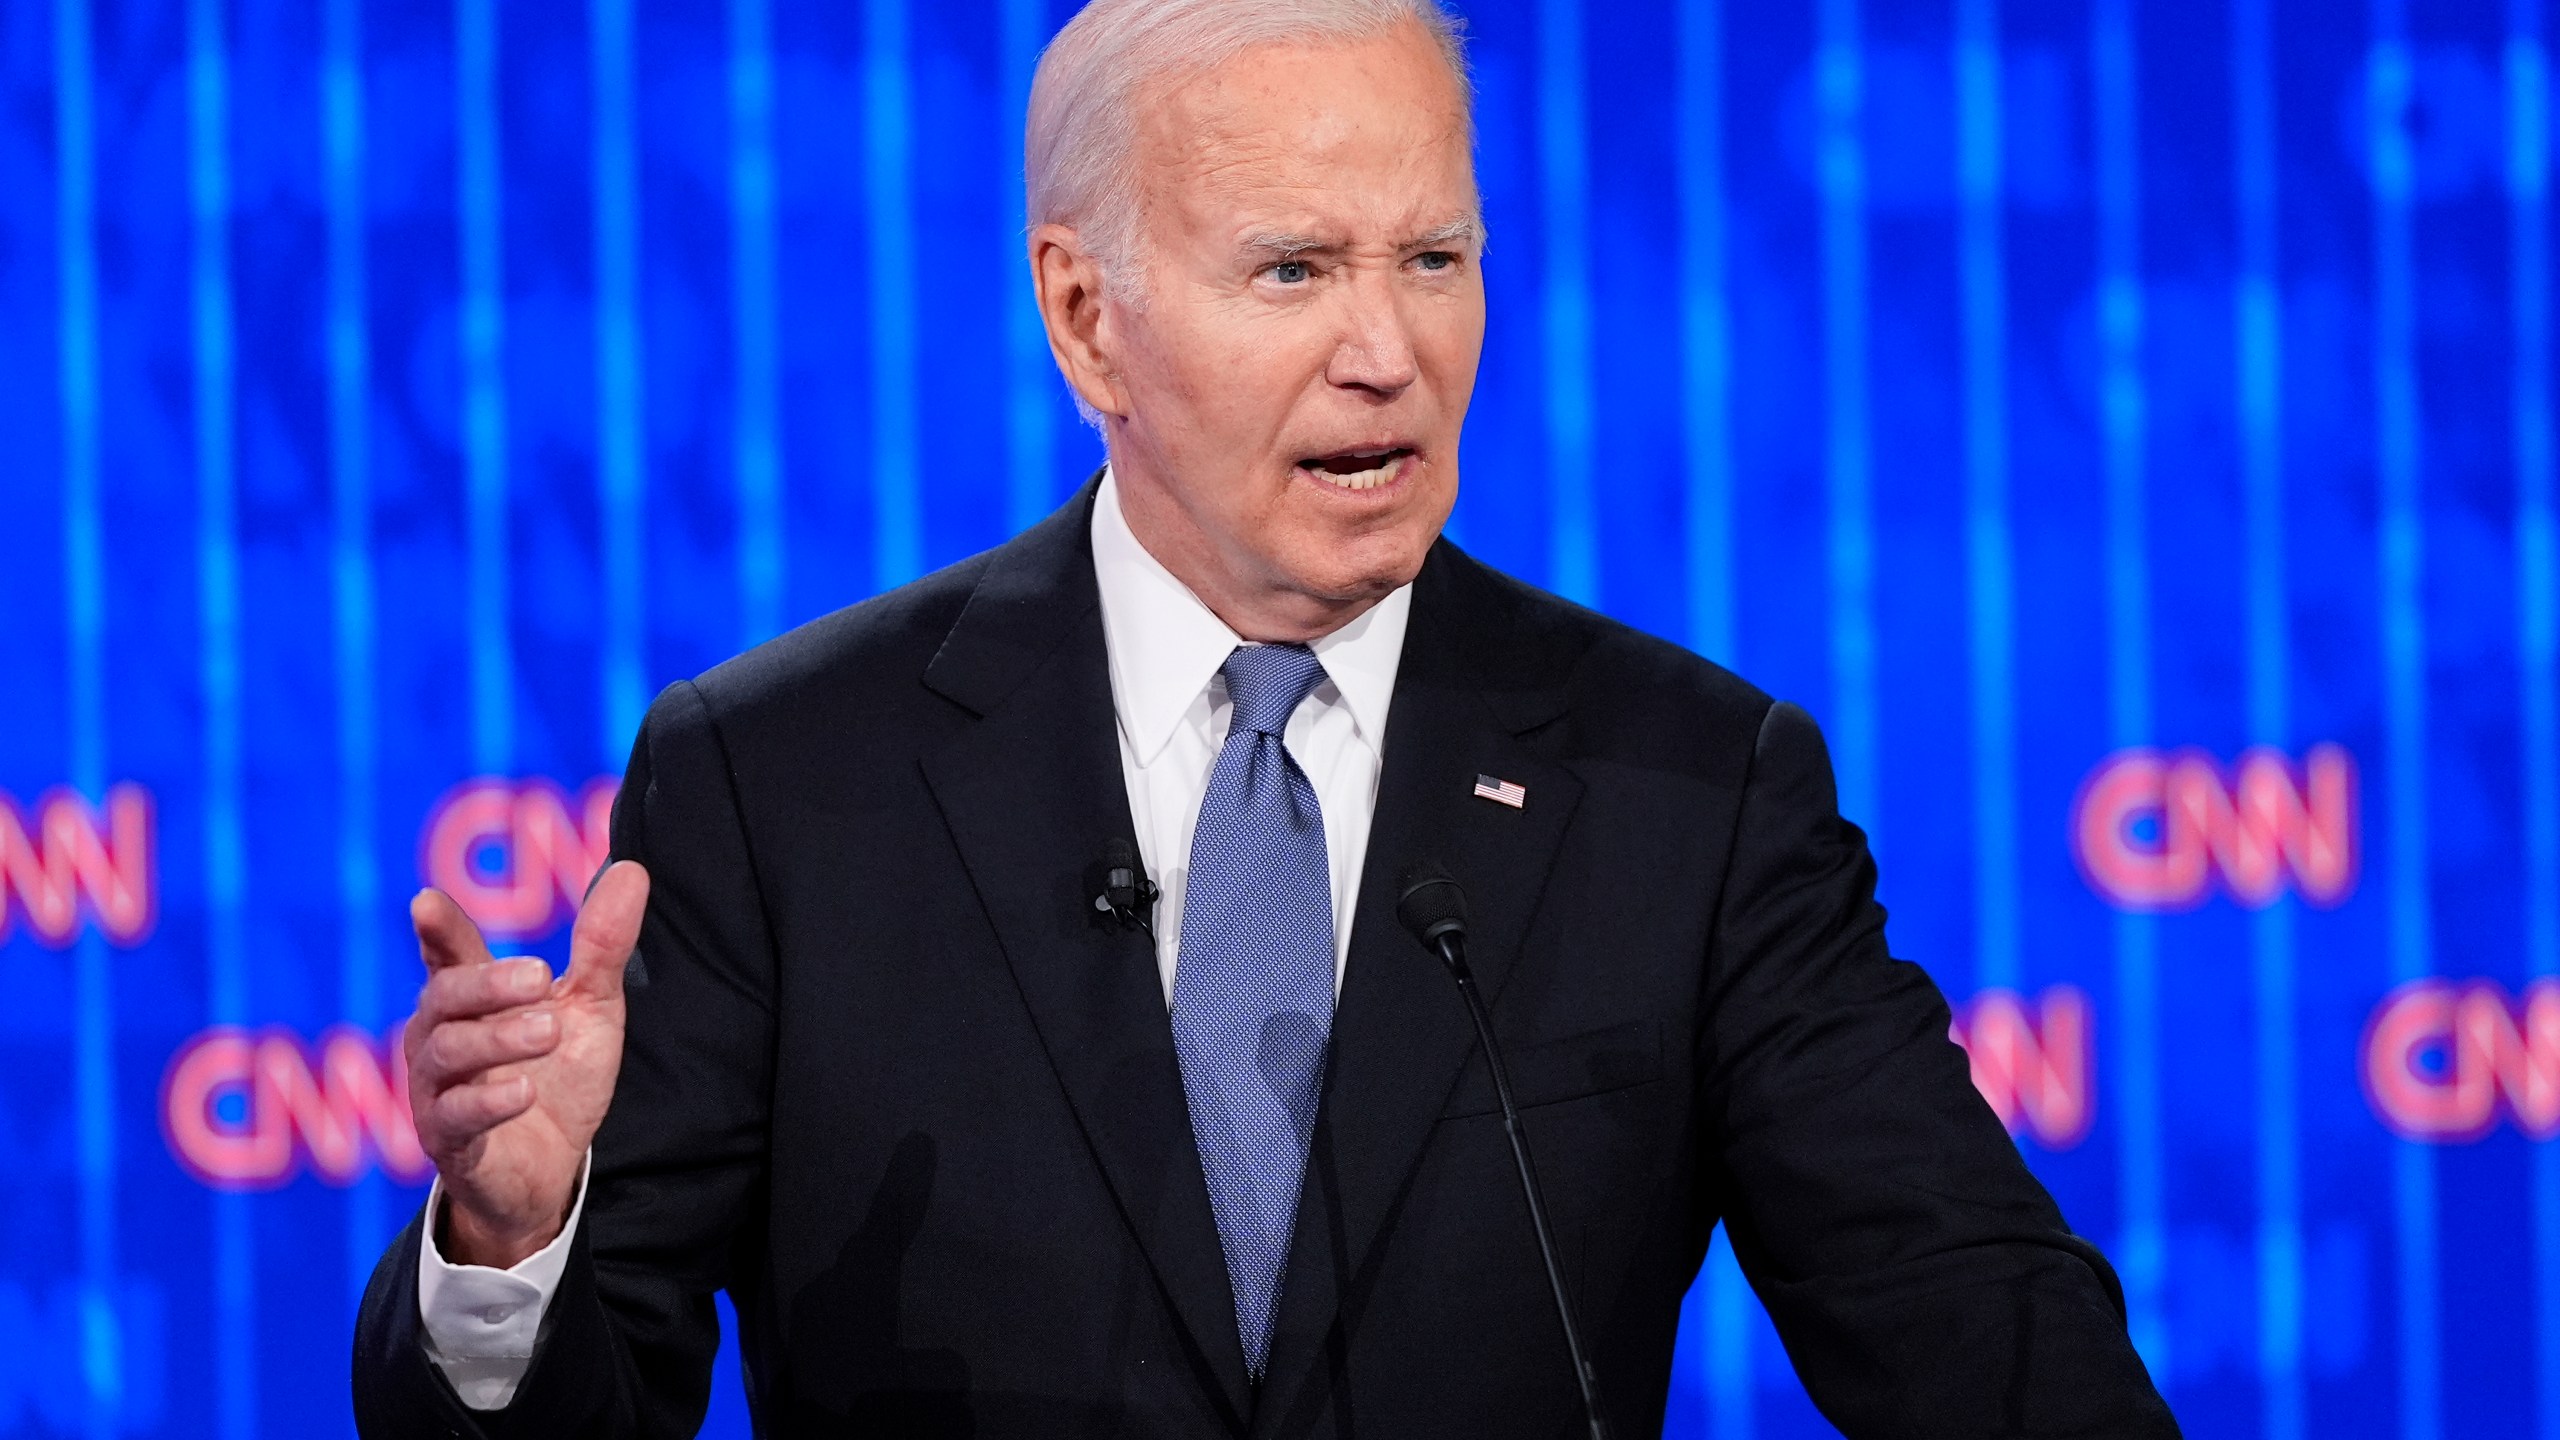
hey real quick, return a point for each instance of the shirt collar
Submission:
(1166, 646)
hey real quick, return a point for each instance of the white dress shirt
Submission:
(481, 1321)
(1165, 649)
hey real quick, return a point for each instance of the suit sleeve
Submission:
(1924, 1283)
(679, 1168)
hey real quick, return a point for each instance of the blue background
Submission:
(394, 393)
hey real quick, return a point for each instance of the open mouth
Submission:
(1356, 469)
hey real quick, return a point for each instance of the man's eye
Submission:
(1435, 259)
(1291, 272)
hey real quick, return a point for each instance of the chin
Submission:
(1375, 569)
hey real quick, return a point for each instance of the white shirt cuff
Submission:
(481, 1322)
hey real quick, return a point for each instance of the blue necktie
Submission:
(1253, 989)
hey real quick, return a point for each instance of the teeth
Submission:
(1365, 479)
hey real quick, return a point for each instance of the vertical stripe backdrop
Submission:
(2128, 424)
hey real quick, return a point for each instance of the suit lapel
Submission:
(1031, 792)
(1401, 1036)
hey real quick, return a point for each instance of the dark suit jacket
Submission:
(893, 1084)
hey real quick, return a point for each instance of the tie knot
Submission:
(1266, 682)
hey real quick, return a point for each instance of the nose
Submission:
(1375, 352)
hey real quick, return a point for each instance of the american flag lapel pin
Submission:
(1502, 792)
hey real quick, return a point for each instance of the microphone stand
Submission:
(1452, 945)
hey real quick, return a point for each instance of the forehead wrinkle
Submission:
(1244, 172)
(1204, 147)
(1216, 124)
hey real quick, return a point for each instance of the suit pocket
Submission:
(1549, 1072)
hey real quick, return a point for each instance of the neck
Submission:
(1259, 609)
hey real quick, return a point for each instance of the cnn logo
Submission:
(2161, 831)
(66, 861)
(2443, 1060)
(516, 855)
(248, 1111)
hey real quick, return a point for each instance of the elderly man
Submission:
(984, 1146)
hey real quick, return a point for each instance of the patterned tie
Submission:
(1253, 989)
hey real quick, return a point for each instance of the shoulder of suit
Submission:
(867, 653)
(1604, 670)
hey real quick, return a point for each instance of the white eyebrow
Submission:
(1465, 227)
(1284, 244)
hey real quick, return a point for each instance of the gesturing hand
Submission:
(510, 1071)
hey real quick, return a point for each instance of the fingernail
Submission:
(539, 1025)
(529, 977)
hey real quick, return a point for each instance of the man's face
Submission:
(1290, 388)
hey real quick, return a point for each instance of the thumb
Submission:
(608, 930)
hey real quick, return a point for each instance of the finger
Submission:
(467, 992)
(446, 936)
(466, 1110)
(462, 1051)
(608, 930)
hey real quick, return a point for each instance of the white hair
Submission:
(1100, 69)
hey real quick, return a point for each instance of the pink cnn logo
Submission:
(2031, 1061)
(66, 862)
(2444, 1059)
(516, 855)
(244, 1111)
(2160, 831)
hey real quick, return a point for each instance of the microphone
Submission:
(1432, 906)
(1122, 890)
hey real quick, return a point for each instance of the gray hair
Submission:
(1095, 74)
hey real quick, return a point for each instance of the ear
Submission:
(1067, 282)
